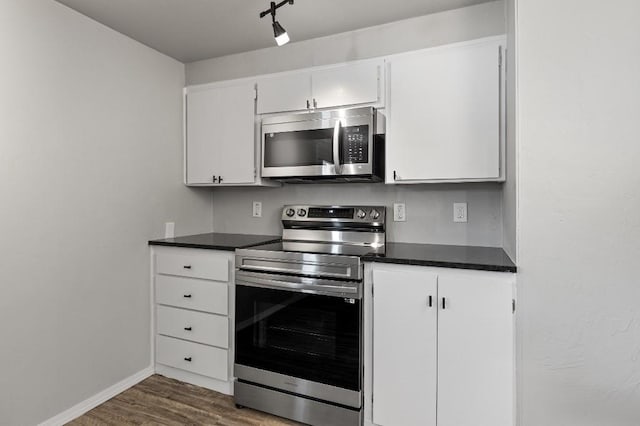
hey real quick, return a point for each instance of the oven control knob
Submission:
(290, 212)
(374, 214)
(361, 214)
(302, 212)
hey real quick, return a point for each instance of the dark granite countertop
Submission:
(216, 241)
(461, 257)
(445, 256)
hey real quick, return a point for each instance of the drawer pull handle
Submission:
(187, 266)
(187, 296)
(187, 329)
(188, 359)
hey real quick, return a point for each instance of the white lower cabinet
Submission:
(200, 359)
(405, 348)
(195, 326)
(443, 347)
(193, 316)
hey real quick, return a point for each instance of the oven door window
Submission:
(298, 148)
(301, 335)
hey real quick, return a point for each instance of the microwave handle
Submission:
(336, 147)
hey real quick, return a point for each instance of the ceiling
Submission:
(191, 30)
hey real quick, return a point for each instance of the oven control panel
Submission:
(366, 214)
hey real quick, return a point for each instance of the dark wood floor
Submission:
(159, 400)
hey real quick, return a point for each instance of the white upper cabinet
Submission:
(348, 85)
(353, 84)
(220, 135)
(445, 114)
(287, 92)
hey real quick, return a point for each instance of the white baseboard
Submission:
(225, 387)
(97, 399)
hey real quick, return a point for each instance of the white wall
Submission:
(90, 169)
(579, 226)
(429, 209)
(483, 20)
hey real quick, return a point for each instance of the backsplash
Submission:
(429, 209)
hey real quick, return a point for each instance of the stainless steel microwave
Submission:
(343, 145)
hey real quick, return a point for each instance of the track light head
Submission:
(279, 33)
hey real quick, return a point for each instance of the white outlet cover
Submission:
(257, 209)
(170, 230)
(399, 212)
(460, 212)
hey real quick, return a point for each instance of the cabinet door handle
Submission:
(187, 329)
(187, 266)
(395, 175)
(219, 179)
(187, 296)
(188, 359)
(444, 303)
(308, 104)
(315, 103)
(214, 178)
(430, 303)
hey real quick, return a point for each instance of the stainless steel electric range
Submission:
(298, 326)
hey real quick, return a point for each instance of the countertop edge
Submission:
(196, 246)
(206, 246)
(441, 264)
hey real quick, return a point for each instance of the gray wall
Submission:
(579, 226)
(509, 195)
(90, 169)
(478, 21)
(429, 207)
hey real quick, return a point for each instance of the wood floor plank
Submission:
(159, 400)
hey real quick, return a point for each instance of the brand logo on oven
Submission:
(349, 301)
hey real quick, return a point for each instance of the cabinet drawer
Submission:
(192, 293)
(210, 266)
(196, 326)
(194, 357)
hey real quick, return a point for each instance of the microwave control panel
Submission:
(355, 145)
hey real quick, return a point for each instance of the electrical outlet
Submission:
(257, 209)
(459, 212)
(169, 229)
(399, 212)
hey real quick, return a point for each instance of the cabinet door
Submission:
(220, 135)
(404, 348)
(347, 85)
(475, 350)
(444, 114)
(289, 92)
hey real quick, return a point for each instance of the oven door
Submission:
(298, 340)
(328, 143)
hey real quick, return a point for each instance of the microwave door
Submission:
(294, 150)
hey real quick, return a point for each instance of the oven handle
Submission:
(336, 147)
(320, 289)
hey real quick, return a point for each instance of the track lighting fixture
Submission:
(279, 33)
